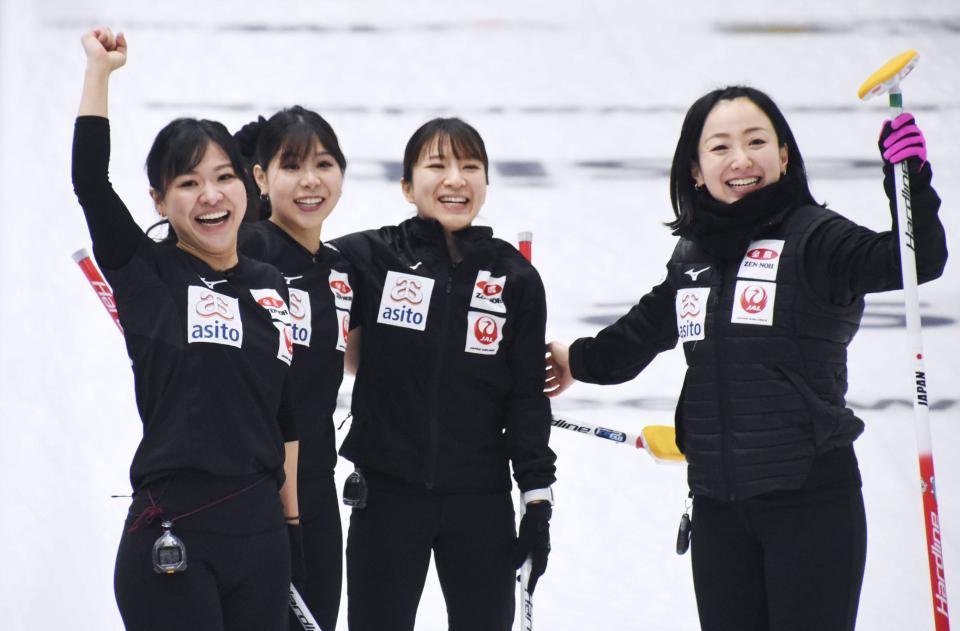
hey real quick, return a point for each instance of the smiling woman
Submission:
(208, 335)
(447, 397)
(765, 290)
(298, 167)
(195, 187)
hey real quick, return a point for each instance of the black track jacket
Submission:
(450, 383)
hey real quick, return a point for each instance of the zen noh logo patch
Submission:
(271, 300)
(488, 292)
(405, 301)
(762, 259)
(213, 318)
(484, 333)
(341, 289)
(691, 305)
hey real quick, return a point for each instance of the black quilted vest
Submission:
(763, 394)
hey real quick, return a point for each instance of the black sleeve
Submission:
(844, 261)
(115, 235)
(356, 251)
(527, 408)
(619, 352)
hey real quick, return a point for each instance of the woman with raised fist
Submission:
(206, 544)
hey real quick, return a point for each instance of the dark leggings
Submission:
(322, 551)
(388, 554)
(234, 581)
(787, 561)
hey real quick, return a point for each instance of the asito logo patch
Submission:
(271, 300)
(762, 259)
(341, 290)
(213, 318)
(753, 302)
(691, 307)
(405, 301)
(301, 316)
(484, 333)
(488, 292)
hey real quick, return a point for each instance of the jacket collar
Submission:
(430, 232)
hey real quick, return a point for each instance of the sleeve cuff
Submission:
(534, 495)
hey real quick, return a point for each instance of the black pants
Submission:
(388, 554)
(787, 561)
(238, 561)
(322, 550)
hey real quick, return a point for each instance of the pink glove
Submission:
(901, 139)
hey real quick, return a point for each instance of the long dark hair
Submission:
(465, 142)
(682, 191)
(178, 148)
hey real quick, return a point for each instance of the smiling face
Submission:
(303, 191)
(446, 187)
(205, 207)
(737, 152)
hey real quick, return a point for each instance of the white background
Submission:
(555, 83)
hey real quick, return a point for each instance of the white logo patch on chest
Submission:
(484, 333)
(488, 292)
(213, 318)
(343, 328)
(691, 308)
(762, 259)
(301, 316)
(405, 301)
(271, 300)
(341, 289)
(753, 302)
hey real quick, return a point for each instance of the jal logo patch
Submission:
(341, 290)
(405, 301)
(213, 318)
(753, 302)
(488, 292)
(271, 300)
(762, 260)
(691, 306)
(484, 333)
(301, 317)
(343, 322)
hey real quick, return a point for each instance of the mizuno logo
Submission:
(212, 283)
(694, 274)
(290, 279)
(419, 263)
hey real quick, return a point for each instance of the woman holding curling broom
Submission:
(765, 291)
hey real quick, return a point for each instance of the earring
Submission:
(264, 197)
(698, 186)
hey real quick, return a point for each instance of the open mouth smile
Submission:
(215, 218)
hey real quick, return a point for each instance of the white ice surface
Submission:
(558, 83)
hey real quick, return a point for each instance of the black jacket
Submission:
(450, 383)
(209, 350)
(765, 337)
(321, 295)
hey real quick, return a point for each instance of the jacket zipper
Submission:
(434, 439)
(726, 431)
